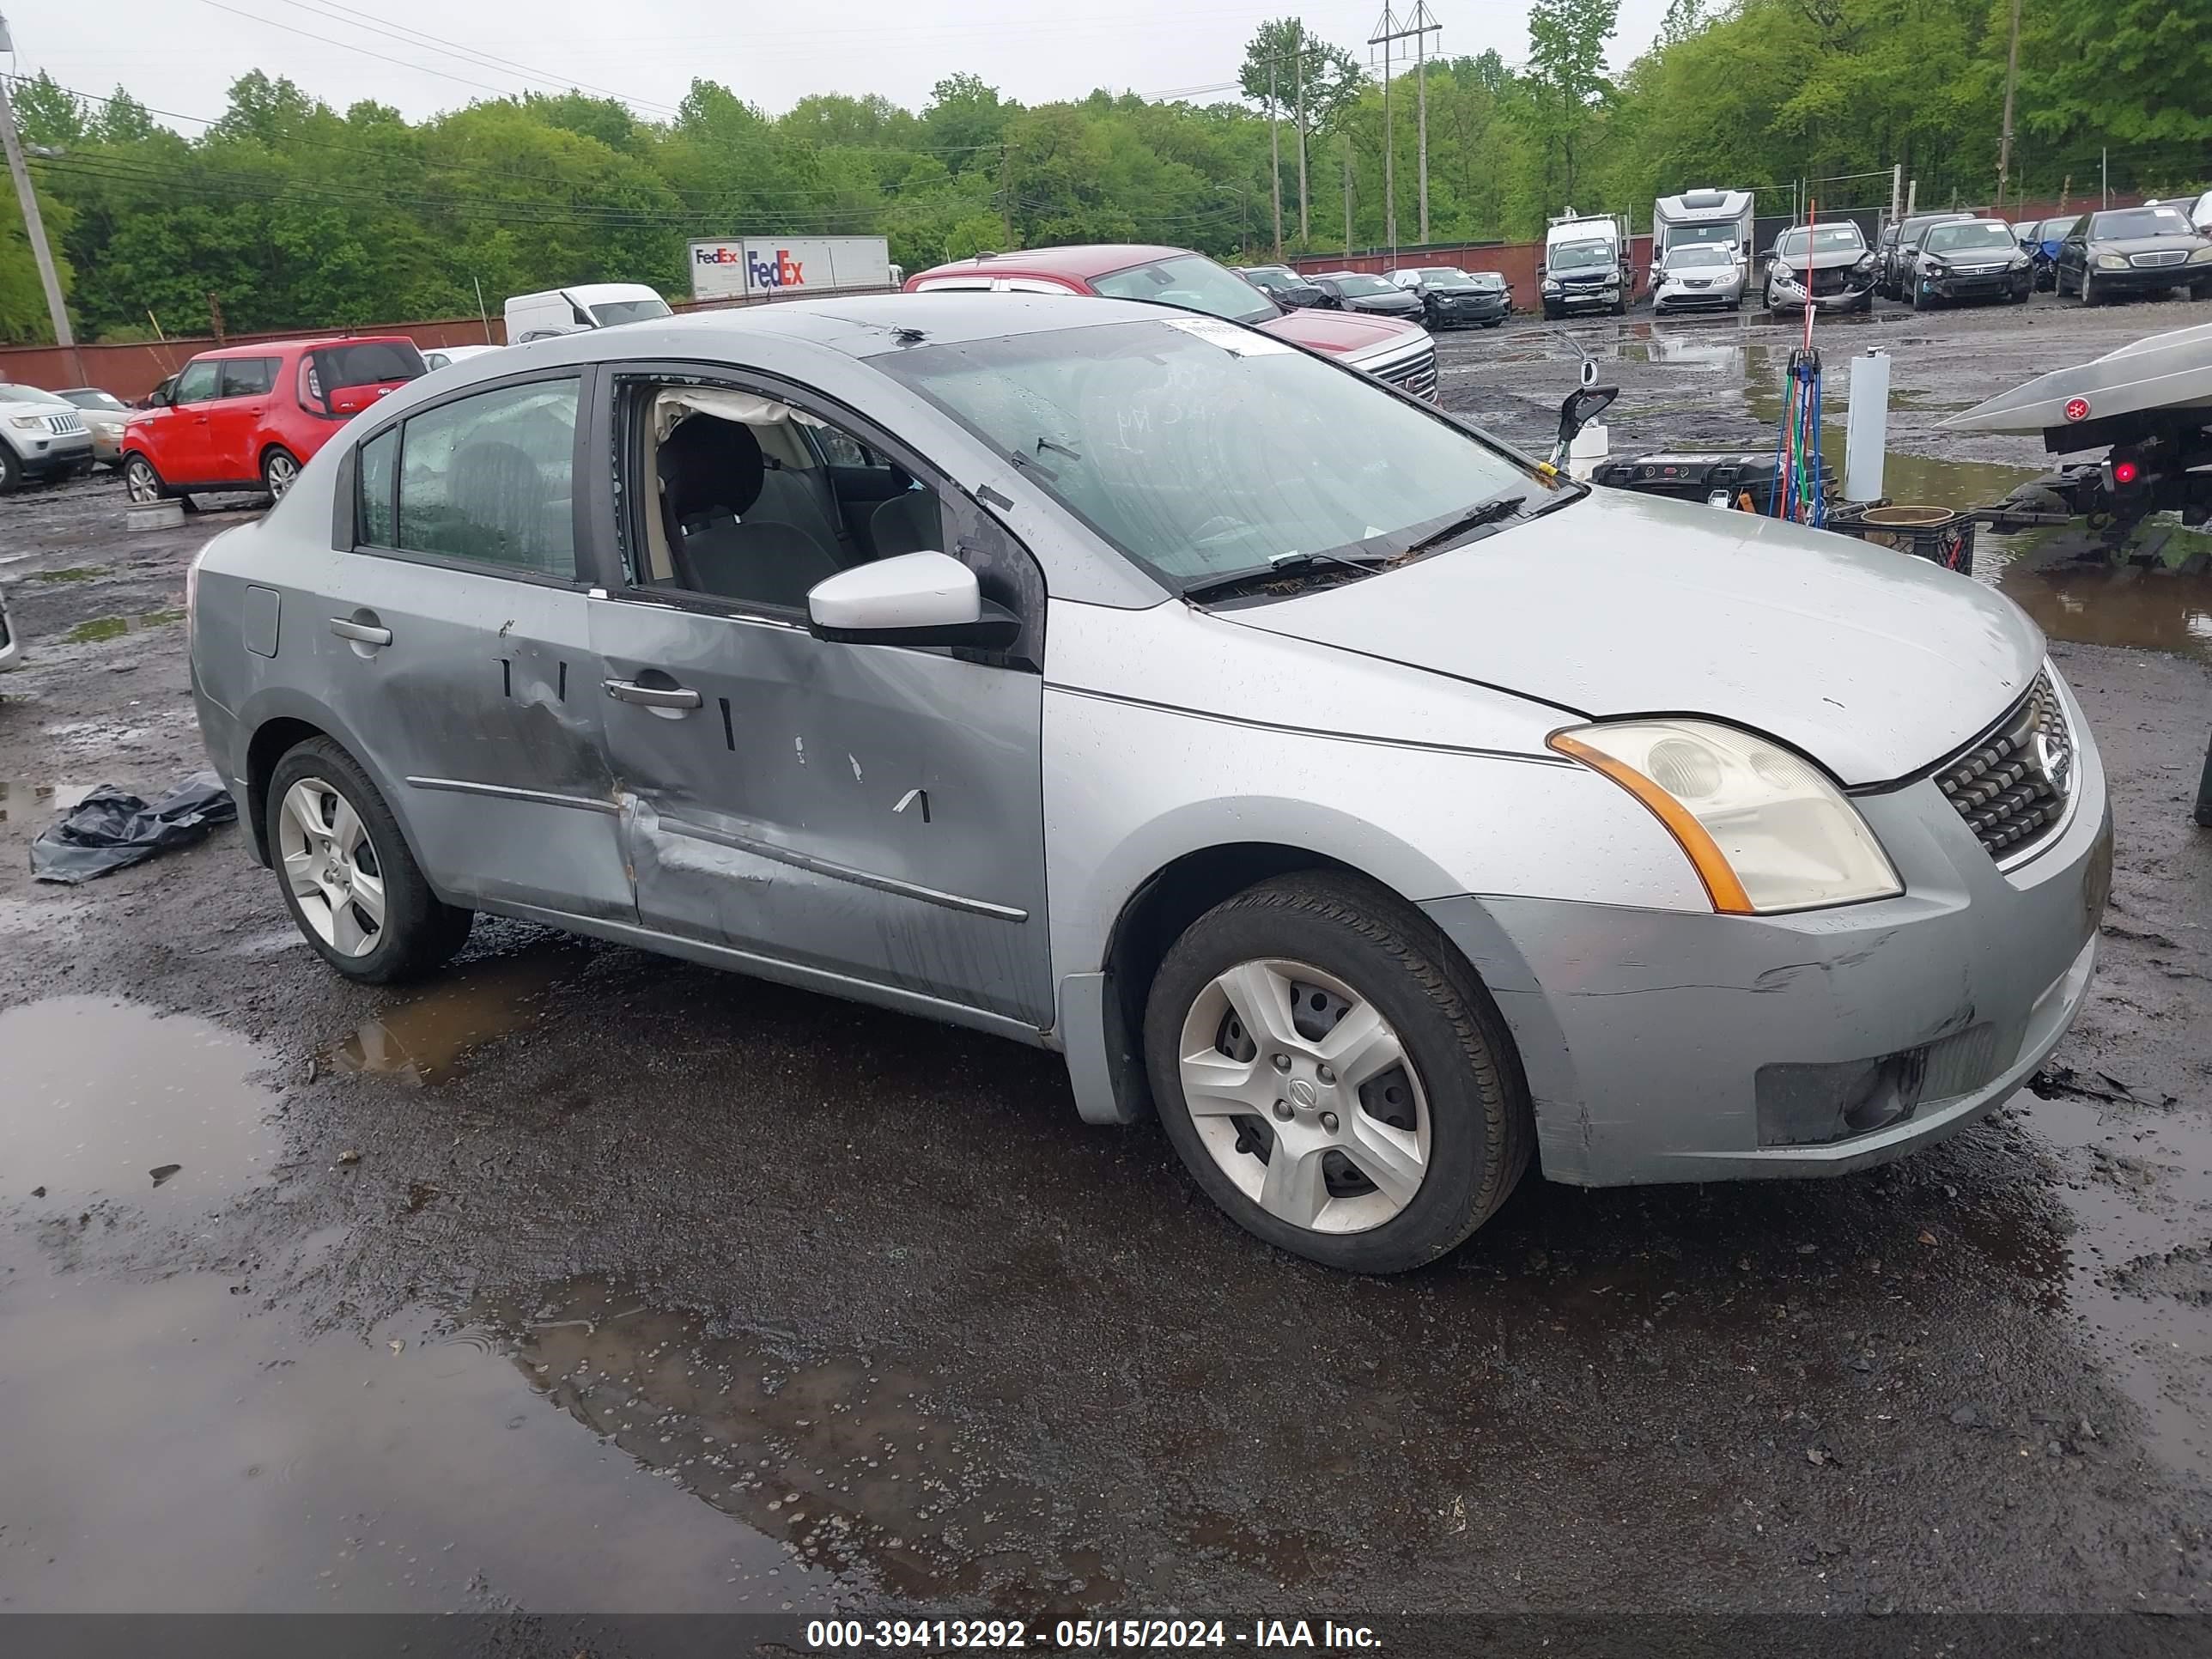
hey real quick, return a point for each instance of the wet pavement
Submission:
(582, 1280)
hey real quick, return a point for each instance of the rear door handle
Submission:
(652, 697)
(359, 633)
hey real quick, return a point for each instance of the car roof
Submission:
(276, 348)
(1084, 260)
(1999, 223)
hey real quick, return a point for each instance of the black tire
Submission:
(272, 474)
(2200, 290)
(138, 470)
(1922, 301)
(1482, 1129)
(420, 932)
(2086, 293)
(11, 471)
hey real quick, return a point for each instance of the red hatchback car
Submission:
(250, 417)
(1390, 349)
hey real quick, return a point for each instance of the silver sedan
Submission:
(1698, 276)
(1275, 748)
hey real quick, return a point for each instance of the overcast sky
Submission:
(180, 55)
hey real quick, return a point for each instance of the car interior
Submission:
(758, 500)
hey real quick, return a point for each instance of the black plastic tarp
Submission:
(110, 830)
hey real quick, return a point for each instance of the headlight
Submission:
(1865, 263)
(1764, 831)
(2111, 261)
(26, 422)
(1551, 285)
(2202, 257)
(1933, 268)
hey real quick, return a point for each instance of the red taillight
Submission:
(2125, 472)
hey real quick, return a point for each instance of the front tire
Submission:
(1333, 1076)
(2087, 293)
(353, 888)
(11, 471)
(141, 482)
(280, 471)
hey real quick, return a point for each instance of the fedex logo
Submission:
(714, 256)
(782, 272)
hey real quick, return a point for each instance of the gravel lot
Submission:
(585, 1280)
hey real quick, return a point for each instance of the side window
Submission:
(491, 479)
(197, 383)
(754, 501)
(247, 377)
(372, 470)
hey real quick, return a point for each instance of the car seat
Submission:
(711, 476)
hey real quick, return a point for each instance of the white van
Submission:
(587, 305)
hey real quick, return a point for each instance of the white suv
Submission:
(41, 436)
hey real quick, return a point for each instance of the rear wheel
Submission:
(1333, 1076)
(353, 888)
(280, 471)
(141, 482)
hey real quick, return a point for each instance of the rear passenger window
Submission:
(247, 377)
(491, 479)
(373, 470)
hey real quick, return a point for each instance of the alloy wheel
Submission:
(139, 480)
(1305, 1096)
(279, 473)
(331, 866)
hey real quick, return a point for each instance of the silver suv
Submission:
(41, 436)
(1380, 807)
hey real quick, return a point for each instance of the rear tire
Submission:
(1443, 1116)
(280, 471)
(374, 918)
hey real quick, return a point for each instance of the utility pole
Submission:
(1305, 222)
(1006, 191)
(1416, 27)
(1385, 32)
(2012, 77)
(1274, 160)
(1422, 24)
(1347, 192)
(2104, 176)
(33, 225)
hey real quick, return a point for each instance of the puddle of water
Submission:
(102, 1094)
(194, 1456)
(2139, 1187)
(36, 800)
(422, 1041)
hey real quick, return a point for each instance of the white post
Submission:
(1866, 432)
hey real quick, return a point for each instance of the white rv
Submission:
(1702, 215)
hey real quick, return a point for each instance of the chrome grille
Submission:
(64, 424)
(2163, 256)
(2012, 786)
(1416, 374)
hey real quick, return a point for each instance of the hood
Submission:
(1840, 258)
(2133, 245)
(1340, 333)
(1586, 274)
(12, 407)
(1401, 304)
(1874, 663)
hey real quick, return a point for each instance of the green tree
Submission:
(1567, 73)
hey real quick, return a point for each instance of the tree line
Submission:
(291, 213)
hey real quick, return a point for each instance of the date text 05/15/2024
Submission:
(1087, 1635)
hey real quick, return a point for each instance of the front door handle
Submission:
(359, 633)
(652, 697)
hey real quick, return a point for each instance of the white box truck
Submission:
(788, 267)
(1702, 215)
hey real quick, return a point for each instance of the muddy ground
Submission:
(586, 1280)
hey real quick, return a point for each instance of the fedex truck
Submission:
(788, 267)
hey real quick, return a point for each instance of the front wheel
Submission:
(353, 888)
(280, 471)
(11, 471)
(2087, 293)
(1333, 1076)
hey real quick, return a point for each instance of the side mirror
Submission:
(1581, 407)
(916, 598)
(159, 397)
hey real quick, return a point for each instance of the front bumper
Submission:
(47, 457)
(1583, 296)
(108, 447)
(1664, 1046)
(1790, 294)
(1487, 311)
(2149, 279)
(1980, 285)
(1668, 297)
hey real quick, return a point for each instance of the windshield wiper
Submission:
(1495, 511)
(1283, 564)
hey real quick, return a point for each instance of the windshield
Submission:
(1448, 282)
(89, 398)
(2140, 222)
(1826, 239)
(1699, 254)
(29, 394)
(609, 312)
(1359, 286)
(1272, 280)
(1949, 239)
(2057, 230)
(1678, 235)
(1192, 281)
(1487, 278)
(1200, 451)
(1579, 256)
